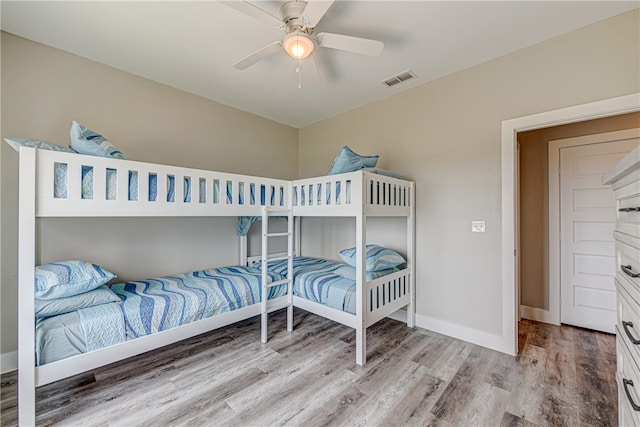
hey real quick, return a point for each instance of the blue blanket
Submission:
(157, 304)
(318, 280)
(150, 306)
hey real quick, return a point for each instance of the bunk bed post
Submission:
(243, 250)
(297, 246)
(263, 287)
(411, 251)
(290, 255)
(361, 297)
(26, 268)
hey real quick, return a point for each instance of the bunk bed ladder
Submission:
(268, 212)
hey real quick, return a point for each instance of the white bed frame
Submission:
(371, 195)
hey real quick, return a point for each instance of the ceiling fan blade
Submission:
(311, 72)
(350, 44)
(258, 55)
(255, 12)
(314, 11)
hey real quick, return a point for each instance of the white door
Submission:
(587, 221)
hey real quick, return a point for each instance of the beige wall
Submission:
(446, 136)
(534, 199)
(44, 89)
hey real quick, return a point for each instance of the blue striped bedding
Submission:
(317, 280)
(150, 306)
(157, 304)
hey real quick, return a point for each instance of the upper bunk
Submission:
(75, 185)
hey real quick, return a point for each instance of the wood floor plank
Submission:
(295, 383)
(433, 349)
(527, 397)
(464, 385)
(510, 420)
(450, 360)
(597, 408)
(486, 405)
(564, 376)
(205, 401)
(560, 405)
(399, 398)
(502, 372)
(333, 409)
(539, 334)
(333, 393)
(415, 407)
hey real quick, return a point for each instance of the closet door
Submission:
(587, 221)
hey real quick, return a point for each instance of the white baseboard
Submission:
(473, 336)
(8, 362)
(452, 330)
(537, 314)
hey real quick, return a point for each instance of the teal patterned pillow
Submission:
(377, 258)
(16, 143)
(86, 141)
(349, 272)
(68, 278)
(54, 307)
(348, 161)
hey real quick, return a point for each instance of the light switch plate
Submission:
(478, 226)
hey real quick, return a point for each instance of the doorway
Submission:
(510, 129)
(582, 220)
(542, 152)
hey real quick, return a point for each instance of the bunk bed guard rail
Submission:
(76, 185)
(345, 194)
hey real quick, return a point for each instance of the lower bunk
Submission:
(148, 314)
(158, 312)
(199, 301)
(329, 289)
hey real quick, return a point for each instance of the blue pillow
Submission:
(348, 161)
(68, 278)
(54, 307)
(16, 143)
(377, 258)
(349, 272)
(86, 141)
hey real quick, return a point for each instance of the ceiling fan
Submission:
(298, 19)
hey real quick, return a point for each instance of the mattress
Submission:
(317, 280)
(150, 306)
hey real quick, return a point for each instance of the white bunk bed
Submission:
(363, 194)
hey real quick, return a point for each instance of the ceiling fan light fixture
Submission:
(298, 45)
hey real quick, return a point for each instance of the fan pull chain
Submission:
(298, 71)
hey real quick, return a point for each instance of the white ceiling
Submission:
(192, 45)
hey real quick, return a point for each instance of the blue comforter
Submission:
(157, 304)
(318, 280)
(150, 306)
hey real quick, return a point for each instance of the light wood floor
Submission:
(563, 376)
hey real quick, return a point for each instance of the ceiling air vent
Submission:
(399, 78)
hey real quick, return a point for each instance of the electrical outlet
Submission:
(478, 226)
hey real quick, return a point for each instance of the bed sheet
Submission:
(78, 332)
(59, 337)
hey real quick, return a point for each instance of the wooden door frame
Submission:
(510, 128)
(554, 314)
